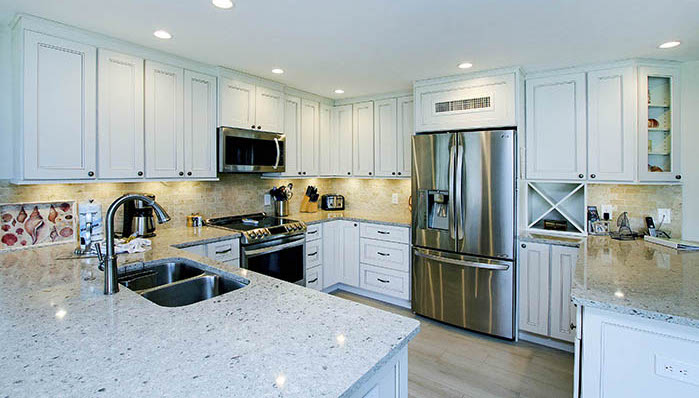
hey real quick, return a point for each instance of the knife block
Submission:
(307, 206)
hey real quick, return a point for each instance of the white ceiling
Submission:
(376, 46)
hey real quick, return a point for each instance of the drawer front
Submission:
(314, 253)
(235, 263)
(198, 250)
(385, 232)
(385, 281)
(224, 250)
(314, 278)
(314, 232)
(391, 255)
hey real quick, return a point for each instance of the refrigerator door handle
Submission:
(463, 263)
(452, 207)
(459, 209)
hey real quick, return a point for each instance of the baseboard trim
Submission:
(547, 341)
(369, 294)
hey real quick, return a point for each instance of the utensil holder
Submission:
(281, 208)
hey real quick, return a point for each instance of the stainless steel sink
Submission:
(176, 283)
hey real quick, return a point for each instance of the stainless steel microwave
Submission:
(250, 151)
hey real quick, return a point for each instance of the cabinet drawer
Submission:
(314, 232)
(198, 250)
(232, 263)
(391, 255)
(314, 253)
(385, 281)
(314, 278)
(385, 232)
(224, 250)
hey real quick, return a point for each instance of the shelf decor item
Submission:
(24, 225)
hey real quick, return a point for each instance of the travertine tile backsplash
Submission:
(234, 194)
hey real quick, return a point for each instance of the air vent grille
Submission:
(462, 105)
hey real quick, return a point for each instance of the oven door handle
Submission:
(276, 164)
(272, 249)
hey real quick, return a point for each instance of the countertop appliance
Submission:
(463, 229)
(138, 218)
(332, 202)
(269, 245)
(250, 151)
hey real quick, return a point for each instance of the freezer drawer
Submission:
(470, 292)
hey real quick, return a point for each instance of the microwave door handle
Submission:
(451, 209)
(459, 209)
(463, 263)
(276, 164)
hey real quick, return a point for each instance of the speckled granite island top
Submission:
(62, 337)
(638, 278)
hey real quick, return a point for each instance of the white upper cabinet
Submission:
(363, 138)
(199, 125)
(269, 109)
(120, 115)
(308, 142)
(328, 144)
(59, 109)
(164, 121)
(659, 124)
(556, 127)
(386, 141)
(611, 98)
(292, 131)
(342, 129)
(475, 103)
(237, 102)
(406, 130)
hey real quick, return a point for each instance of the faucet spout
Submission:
(110, 259)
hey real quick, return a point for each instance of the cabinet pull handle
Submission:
(224, 251)
(383, 254)
(313, 281)
(383, 232)
(382, 280)
(312, 254)
(312, 232)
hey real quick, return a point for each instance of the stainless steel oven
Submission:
(282, 258)
(250, 151)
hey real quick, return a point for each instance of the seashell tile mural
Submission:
(25, 225)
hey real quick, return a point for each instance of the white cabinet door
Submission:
(332, 240)
(164, 121)
(308, 143)
(59, 108)
(292, 131)
(363, 138)
(120, 115)
(199, 125)
(328, 144)
(562, 310)
(349, 272)
(342, 129)
(269, 109)
(556, 127)
(386, 137)
(534, 288)
(611, 99)
(237, 104)
(406, 129)
(314, 278)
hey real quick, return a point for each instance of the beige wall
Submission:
(690, 146)
(234, 194)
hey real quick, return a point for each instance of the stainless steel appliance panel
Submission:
(433, 185)
(250, 151)
(485, 193)
(469, 292)
(283, 258)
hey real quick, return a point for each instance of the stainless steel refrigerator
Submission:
(463, 235)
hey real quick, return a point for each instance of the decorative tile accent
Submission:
(24, 225)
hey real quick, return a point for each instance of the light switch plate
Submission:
(668, 217)
(394, 198)
(268, 199)
(607, 209)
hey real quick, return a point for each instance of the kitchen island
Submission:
(639, 311)
(63, 337)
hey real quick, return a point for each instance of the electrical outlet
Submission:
(268, 199)
(677, 370)
(394, 198)
(607, 209)
(664, 213)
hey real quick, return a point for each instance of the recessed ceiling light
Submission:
(162, 34)
(277, 71)
(669, 44)
(339, 91)
(465, 65)
(223, 3)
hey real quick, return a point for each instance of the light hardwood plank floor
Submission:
(445, 361)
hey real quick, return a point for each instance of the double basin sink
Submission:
(177, 282)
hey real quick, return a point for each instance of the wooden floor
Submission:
(445, 361)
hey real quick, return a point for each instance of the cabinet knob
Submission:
(370, 173)
(524, 246)
(253, 126)
(189, 173)
(581, 175)
(355, 224)
(140, 174)
(181, 173)
(678, 177)
(259, 127)
(399, 173)
(299, 173)
(593, 175)
(394, 173)
(349, 173)
(90, 173)
(304, 173)
(572, 326)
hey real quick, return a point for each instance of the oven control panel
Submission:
(260, 234)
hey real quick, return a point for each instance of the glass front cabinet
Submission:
(659, 125)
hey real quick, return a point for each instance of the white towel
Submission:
(138, 245)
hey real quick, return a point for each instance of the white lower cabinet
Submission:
(545, 278)
(314, 278)
(314, 253)
(385, 281)
(389, 381)
(395, 256)
(341, 253)
(225, 251)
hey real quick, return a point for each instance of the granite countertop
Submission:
(571, 241)
(399, 220)
(61, 336)
(638, 278)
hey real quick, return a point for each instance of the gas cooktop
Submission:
(258, 227)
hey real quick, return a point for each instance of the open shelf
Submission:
(556, 202)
